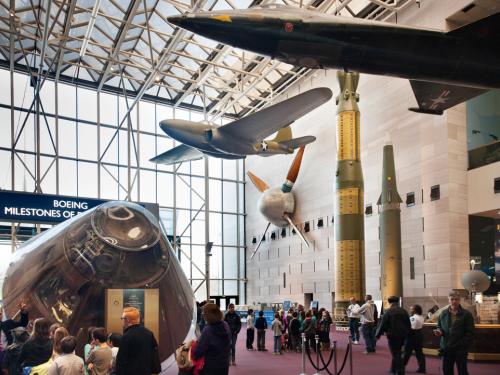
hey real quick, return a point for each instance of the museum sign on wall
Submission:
(48, 209)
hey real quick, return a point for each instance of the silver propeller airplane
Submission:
(245, 136)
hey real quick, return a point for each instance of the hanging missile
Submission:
(390, 230)
(349, 191)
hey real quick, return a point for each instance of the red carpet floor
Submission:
(263, 363)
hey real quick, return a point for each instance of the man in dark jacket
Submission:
(234, 322)
(261, 326)
(138, 354)
(396, 325)
(456, 328)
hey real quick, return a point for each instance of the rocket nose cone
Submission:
(126, 226)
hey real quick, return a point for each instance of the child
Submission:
(277, 328)
(67, 362)
(250, 329)
(261, 326)
(100, 358)
(114, 343)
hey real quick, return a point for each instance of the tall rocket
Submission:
(390, 230)
(349, 191)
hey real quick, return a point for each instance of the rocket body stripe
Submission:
(349, 200)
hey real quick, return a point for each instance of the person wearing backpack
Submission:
(396, 326)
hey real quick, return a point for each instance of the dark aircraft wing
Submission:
(178, 155)
(434, 98)
(297, 142)
(256, 127)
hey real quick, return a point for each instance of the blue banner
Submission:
(46, 208)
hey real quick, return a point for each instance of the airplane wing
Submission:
(434, 98)
(297, 142)
(257, 126)
(178, 155)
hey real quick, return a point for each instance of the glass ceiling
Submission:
(129, 47)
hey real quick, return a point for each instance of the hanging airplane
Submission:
(444, 68)
(245, 136)
(278, 204)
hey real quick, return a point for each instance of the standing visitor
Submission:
(38, 349)
(367, 314)
(114, 340)
(10, 361)
(353, 317)
(277, 328)
(138, 354)
(456, 328)
(396, 326)
(234, 322)
(294, 332)
(309, 330)
(415, 338)
(57, 337)
(7, 325)
(324, 330)
(214, 344)
(250, 329)
(261, 326)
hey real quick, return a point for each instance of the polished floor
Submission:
(263, 363)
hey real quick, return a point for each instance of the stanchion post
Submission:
(335, 357)
(349, 343)
(316, 337)
(303, 335)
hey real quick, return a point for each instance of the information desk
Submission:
(484, 348)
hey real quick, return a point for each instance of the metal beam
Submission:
(122, 33)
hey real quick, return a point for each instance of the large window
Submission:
(90, 148)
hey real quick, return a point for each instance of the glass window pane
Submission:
(87, 142)
(230, 264)
(216, 264)
(198, 229)
(165, 188)
(23, 91)
(87, 181)
(162, 113)
(5, 162)
(48, 169)
(163, 144)
(67, 184)
(230, 288)
(23, 180)
(215, 228)
(215, 203)
(5, 132)
(214, 167)
(48, 97)
(5, 92)
(148, 186)
(147, 150)
(183, 227)
(109, 187)
(67, 138)
(230, 230)
(241, 197)
(25, 136)
(229, 198)
(198, 167)
(109, 145)
(109, 109)
(198, 185)
(183, 193)
(87, 104)
(67, 100)
(47, 135)
(147, 118)
(198, 258)
(229, 169)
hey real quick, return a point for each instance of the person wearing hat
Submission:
(138, 354)
(455, 326)
(13, 351)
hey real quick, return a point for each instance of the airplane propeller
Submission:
(275, 204)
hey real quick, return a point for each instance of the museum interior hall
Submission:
(241, 186)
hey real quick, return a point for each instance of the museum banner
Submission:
(49, 209)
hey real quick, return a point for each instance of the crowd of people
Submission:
(48, 349)
(455, 327)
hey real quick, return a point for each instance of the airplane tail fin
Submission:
(283, 135)
(488, 27)
(298, 142)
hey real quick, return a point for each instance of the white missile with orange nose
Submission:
(278, 204)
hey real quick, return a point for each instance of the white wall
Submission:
(429, 150)
(481, 195)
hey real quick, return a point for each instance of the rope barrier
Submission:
(326, 364)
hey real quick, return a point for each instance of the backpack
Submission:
(183, 356)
